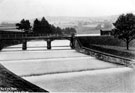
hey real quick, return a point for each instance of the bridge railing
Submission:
(13, 36)
(103, 56)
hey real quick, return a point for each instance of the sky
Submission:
(28, 9)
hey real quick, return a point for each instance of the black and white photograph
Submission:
(67, 46)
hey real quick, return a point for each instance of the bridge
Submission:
(25, 37)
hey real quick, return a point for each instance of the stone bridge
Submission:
(25, 37)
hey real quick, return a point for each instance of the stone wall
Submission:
(103, 56)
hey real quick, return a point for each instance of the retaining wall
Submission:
(103, 56)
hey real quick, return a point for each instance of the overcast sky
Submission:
(18, 9)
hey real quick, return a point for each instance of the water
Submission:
(107, 80)
(64, 70)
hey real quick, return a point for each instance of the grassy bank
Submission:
(109, 45)
(11, 82)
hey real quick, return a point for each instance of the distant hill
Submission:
(81, 24)
(7, 24)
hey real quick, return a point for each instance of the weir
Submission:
(60, 70)
(64, 69)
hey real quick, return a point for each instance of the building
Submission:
(107, 32)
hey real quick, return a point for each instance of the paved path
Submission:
(77, 72)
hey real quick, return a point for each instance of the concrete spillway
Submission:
(64, 70)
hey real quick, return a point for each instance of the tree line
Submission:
(124, 28)
(44, 27)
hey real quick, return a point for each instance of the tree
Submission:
(69, 31)
(24, 25)
(42, 26)
(20, 25)
(45, 26)
(27, 25)
(125, 28)
(36, 26)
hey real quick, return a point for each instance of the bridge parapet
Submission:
(18, 36)
(21, 37)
